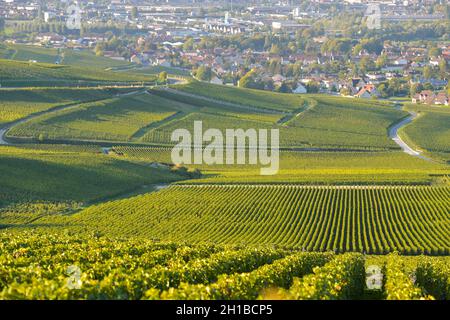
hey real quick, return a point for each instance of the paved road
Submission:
(393, 134)
(2, 134)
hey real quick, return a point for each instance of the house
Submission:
(368, 91)
(300, 89)
(429, 97)
(441, 99)
(278, 79)
(426, 96)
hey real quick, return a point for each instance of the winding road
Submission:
(393, 134)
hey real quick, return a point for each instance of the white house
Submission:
(300, 89)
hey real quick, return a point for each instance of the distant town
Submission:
(351, 48)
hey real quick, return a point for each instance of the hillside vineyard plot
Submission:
(141, 269)
(37, 182)
(28, 74)
(16, 104)
(411, 220)
(303, 121)
(116, 119)
(311, 167)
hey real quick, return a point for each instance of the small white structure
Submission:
(300, 89)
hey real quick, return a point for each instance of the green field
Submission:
(38, 181)
(115, 119)
(430, 132)
(411, 220)
(105, 268)
(311, 167)
(304, 122)
(29, 74)
(17, 104)
(90, 173)
(159, 69)
(79, 58)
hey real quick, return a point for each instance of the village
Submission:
(294, 47)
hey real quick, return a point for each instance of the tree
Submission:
(313, 87)
(188, 44)
(383, 90)
(434, 52)
(345, 91)
(162, 77)
(275, 49)
(2, 24)
(366, 64)
(427, 72)
(41, 138)
(134, 13)
(443, 69)
(284, 88)
(247, 80)
(414, 89)
(203, 73)
(381, 61)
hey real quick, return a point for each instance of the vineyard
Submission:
(312, 122)
(374, 220)
(21, 74)
(115, 119)
(310, 167)
(71, 267)
(92, 207)
(17, 104)
(39, 182)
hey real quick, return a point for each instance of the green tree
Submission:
(434, 52)
(284, 88)
(313, 87)
(366, 64)
(203, 73)
(427, 72)
(443, 69)
(381, 61)
(188, 44)
(383, 90)
(134, 13)
(275, 49)
(414, 89)
(162, 77)
(247, 80)
(2, 24)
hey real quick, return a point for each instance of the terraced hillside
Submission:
(36, 182)
(303, 121)
(17, 104)
(115, 119)
(106, 268)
